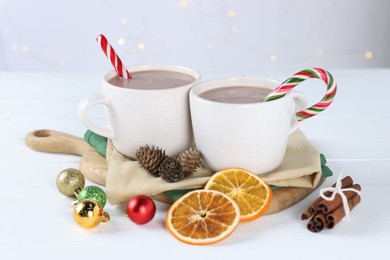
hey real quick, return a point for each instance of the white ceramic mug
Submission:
(139, 117)
(251, 136)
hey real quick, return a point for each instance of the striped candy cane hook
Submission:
(301, 76)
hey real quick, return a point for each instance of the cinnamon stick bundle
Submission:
(326, 214)
(346, 182)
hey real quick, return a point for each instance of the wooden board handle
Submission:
(55, 142)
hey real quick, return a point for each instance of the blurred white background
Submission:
(214, 36)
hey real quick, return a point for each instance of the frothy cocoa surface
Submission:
(236, 94)
(153, 79)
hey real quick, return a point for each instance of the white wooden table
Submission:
(36, 220)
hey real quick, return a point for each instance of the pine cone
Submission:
(150, 159)
(190, 160)
(170, 170)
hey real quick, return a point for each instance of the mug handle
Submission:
(83, 111)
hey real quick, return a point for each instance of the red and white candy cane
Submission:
(113, 57)
(301, 76)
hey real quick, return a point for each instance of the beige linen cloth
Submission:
(301, 167)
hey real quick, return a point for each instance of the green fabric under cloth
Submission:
(97, 141)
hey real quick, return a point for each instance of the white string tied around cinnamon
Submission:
(338, 190)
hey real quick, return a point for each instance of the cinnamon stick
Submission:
(338, 214)
(326, 206)
(346, 182)
(317, 222)
(314, 227)
(310, 225)
(312, 209)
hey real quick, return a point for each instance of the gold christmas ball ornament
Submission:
(70, 182)
(89, 213)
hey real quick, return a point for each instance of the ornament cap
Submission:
(77, 192)
(106, 217)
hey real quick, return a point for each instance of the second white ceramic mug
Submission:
(251, 136)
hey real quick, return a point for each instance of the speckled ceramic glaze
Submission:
(139, 117)
(251, 136)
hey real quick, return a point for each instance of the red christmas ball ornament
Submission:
(141, 209)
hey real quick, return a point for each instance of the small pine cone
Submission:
(170, 170)
(150, 159)
(190, 160)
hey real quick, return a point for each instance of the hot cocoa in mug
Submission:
(236, 94)
(151, 109)
(153, 79)
(233, 129)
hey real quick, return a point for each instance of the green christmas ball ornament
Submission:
(94, 193)
(70, 181)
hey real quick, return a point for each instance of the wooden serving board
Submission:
(94, 166)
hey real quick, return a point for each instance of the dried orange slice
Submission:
(202, 217)
(252, 195)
